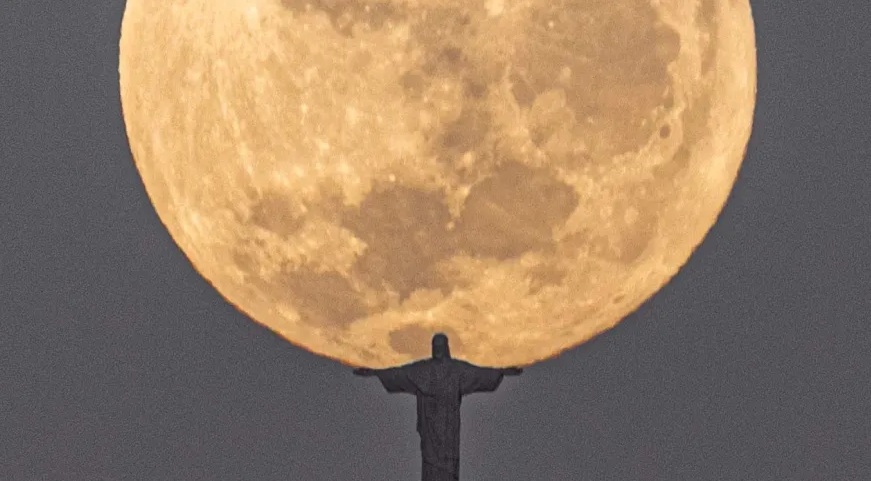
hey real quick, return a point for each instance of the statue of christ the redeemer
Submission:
(439, 384)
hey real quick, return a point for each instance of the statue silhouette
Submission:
(439, 384)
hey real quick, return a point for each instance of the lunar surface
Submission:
(359, 174)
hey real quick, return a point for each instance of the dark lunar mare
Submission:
(439, 383)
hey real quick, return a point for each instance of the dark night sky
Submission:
(119, 362)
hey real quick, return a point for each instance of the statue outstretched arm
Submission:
(365, 371)
(484, 379)
(394, 379)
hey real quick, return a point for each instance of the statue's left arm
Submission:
(484, 379)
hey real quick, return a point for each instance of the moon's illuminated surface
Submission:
(357, 174)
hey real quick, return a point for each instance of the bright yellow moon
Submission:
(358, 174)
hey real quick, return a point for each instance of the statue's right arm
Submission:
(365, 371)
(397, 379)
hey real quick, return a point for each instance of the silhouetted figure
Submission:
(439, 384)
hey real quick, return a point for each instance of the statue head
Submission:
(440, 349)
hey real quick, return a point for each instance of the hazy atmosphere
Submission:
(119, 361)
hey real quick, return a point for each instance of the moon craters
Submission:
(346, 15)
(405, 230)
(278, 213)
(513, 211)
(410, 232)
(322, 299)
(358, 174)
(610, 57)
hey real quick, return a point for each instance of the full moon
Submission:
(359, 174)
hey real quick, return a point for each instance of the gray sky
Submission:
(119, 362)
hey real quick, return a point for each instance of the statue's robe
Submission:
(439, 385)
